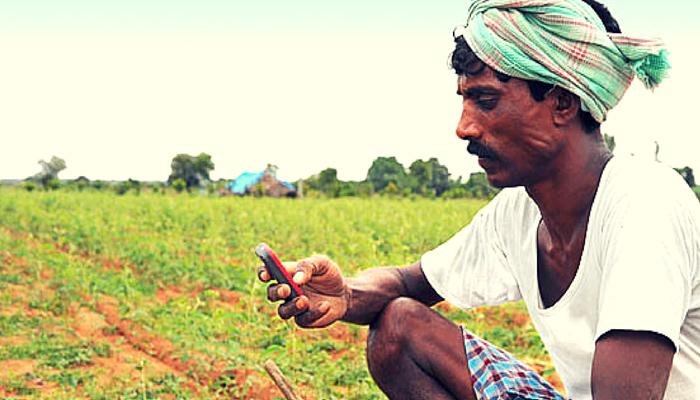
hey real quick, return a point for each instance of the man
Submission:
(605, 252)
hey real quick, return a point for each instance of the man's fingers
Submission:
(278, 292)
(304, 271)
(316, 317)
(309, 267)
(263, 275)
(293, 308)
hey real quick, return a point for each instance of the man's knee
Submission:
(391, 334)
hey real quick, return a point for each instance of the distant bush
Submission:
(81, 183)
(121, 188)
(53, 184)
(696, 189)
(135, 185)
(211, 188)
(392, 189)
(98, 185)
(29, 186)
(458, 192)
(156, 187)
(179, 185)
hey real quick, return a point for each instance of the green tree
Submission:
(49, 172)
(419, 176)
(194, 171)
(429, 177)
(328, 182)
(364, 189)
(687, 174)
(385, 170)
(478, 186)
(346, 189)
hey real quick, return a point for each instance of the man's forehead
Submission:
(485, 79)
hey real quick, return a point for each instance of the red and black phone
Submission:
(276, 269)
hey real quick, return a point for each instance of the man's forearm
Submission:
(370, 291)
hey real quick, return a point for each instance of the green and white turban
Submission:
(562, 42)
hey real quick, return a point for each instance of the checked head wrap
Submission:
(564, 43)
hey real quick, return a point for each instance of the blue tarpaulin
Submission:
(248, 179)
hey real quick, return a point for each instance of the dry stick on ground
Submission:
(280, 380)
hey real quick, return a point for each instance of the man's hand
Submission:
(325, 298)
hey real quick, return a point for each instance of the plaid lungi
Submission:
(498, 375)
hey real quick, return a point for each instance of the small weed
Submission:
(13, 324)
(110, 330)
(325, 345)
(71, 378)
(102, 350)
(17, 385)
(9, 278)
(67, 356)
(53, 352)
(226, 385)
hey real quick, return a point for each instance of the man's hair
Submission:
(465, 62)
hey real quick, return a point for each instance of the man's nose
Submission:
(467, 127)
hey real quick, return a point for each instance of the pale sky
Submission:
(118, 88)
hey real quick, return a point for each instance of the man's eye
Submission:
(487, 103)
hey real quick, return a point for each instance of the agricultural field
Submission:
(156, 296)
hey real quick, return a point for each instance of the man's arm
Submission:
(374, 288)
(631, 365)
(328, 296)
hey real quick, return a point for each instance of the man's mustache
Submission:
(480, 150)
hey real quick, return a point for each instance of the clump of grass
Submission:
(54, 352)
(71, 378)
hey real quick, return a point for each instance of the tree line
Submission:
(385, 176)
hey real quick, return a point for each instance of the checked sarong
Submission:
(498, 375)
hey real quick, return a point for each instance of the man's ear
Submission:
(565, 106)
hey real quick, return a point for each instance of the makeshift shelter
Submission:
(262, 183)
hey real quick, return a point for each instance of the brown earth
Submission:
(133, 342)
(125, 361)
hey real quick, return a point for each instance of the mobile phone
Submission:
(276, 269)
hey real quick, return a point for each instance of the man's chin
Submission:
(498, 180)
(495, 182)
